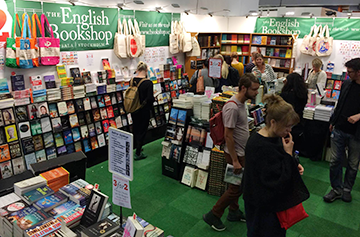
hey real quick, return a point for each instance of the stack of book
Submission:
(35, 195)
(39, 95)
(46, 227)
(6, 101)
(53, 94)
(90, 89)
(68, 213)
(309, 113)
(205, 110)
(197, 101)
(79, 91)
(67, 92)
(101, 89)
(323, 112)
(29, 221)
(17, 215)
(101, 229)
(56, 178)
(29, 184)
(21, 97)
(111, 88)
(182, 103)
(50, 202)
(77, 191)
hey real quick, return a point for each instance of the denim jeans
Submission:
(339, 141)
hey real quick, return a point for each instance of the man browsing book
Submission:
(236, 135)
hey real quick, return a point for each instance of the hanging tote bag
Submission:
(305, 47)
(294, 51)
(34, 47)
(180, 35)
(173, 39)
(187, 44)
(196, 51)
(314, 39)
(134, 42)
(120, 42)
(25, 59)
(142, 37)
(325, 43)
(10, 60)
(49, 46)
(291, 216)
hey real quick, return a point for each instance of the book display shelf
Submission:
(333, 85)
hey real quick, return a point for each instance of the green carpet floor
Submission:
(178, 209)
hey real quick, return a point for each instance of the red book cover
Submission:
(166, 73)
(112, 123)
(110, 112)
(337, 85)
(106, 125)
(328, 93)
(107, 100)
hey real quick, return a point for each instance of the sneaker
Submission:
(214, 221)
(346, 197)
(236, 216)
(332, 196)
(140, 157)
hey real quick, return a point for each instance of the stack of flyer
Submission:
(309, 113)
(323, 112)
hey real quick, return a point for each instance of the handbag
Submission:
(200, 87)
(305, 47)
(10, 60)
(142, 37)
(35, 53)
(187, 44)
(49, 46)
(325, 43)
(196, 51)
(24, 57)
(173, 39)
(120, 41)
(133, 42)
(291, 216)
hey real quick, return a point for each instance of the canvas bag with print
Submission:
(120, 41)
(25, 59)
(134, 42)
(142, 37)
(10, 60)
(49, 46)
(305, 46)
(174, 38)
(34, 47)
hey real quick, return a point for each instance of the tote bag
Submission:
(134, 42)
(305, 46)
(291, 216)
(120, 42)
(25, 58)
(10, 60)
(34, 47)
(313, 40)
(294, 51)
(195, 52)
(173, 39)
(49, 46)
(142, 37)
(180, 36)
(324, 44)
(187, 44)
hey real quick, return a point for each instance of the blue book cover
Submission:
(4, 87)
(18, 83)
(50, 153)
(62, 208)
(100, 100)
(181, 117)
(68, 137)
(69, 212)
(70, 148)
(256, 40)
(36, 194)
(173, 116)
(13, 217)
(51, 201)
(30, 220)
(86, 145)
(335, 94)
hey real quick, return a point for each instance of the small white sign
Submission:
(121, 192)
(121, 153)
(215, 65)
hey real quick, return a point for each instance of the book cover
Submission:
(38, 142)
(335, 94)
(75, 74)
(79, 105)
(24, 129)
(40, 156)
(31, 220)
(173, 116)
(94, 143)
(61, 150)
(103, 113)
(50, 81)
(30, 159)
(70, 148)
(28, 145)
(76, 134)
(18, 165)
(71, 216)
(110, 111)
(113, 98)
(16, 210)
(276, 52)
(62, 108)
(232, 178)
(70, 107)
(93, 102)
(100, 101)
(17, 82)
(81, 118)
(50, 153)
(48, 140)
(6, 169)
(88, 117)
(33, 112)
(74, 122)
(56, 124)
(78, 146)
(63, 208)
(104, 227)
(53, 111)
(91, 129)
(96, 114)
(263, 40)
(84, 132)
(121, 109)
(50, 201)
(288, 53)
(86, 103)
(59, 141)
(112, 123)
(119, 97)
(93, 211)
(11, 133)
(21, 114)
(330, 84)
(86, 145)
(101, 140)
(337, 85)
(8, 116)
(123, 121)
(256, 40)
(45, 125)
(68, 137)
(15, 150)
(65, 122)
(43, 228)
(98, 128)
(36, 194)
(107, 100)
(86, 76)
(4, 153)
(4, 87)
(106, 125)
(35, 126)
(43, 110)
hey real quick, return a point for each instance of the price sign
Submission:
(121, 192)
(215, 65)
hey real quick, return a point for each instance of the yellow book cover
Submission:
(288, 53)
(233, 48)
(263, 40)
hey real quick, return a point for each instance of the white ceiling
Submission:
(236, 7)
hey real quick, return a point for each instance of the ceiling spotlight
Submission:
(290, 13)
(73, 2)
(349, 14)
(139, 2)
(330, 13)
(211, 14)
(268, 12)
(204, 8)
(121, 6)
(158, 9)
(187, 12)
(175, 5)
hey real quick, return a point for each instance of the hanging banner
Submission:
(340, 28)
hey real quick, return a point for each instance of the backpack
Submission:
(132, 99)
(233, 77)
(200, 87)
(217, 128)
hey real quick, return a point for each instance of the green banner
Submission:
(340, 28)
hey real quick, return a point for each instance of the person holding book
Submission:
(236, 64)
(345, 129)
(249, 67)
(141, 117)
(272, 177)
(263, 71)
(236, 135)
(204, 72)
(316, 75)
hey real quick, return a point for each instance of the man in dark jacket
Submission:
(345, 130)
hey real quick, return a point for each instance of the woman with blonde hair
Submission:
(262, 70)
(316, 75)
(141, 117)
(272, 181)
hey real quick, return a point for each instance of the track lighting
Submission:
(187, 12)
(158, 9)
(73, 2)
(211, 14)
(121, 6)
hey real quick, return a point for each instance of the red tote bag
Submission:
(291, 216)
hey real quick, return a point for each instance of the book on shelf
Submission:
(263, 40)
(189, 176)
(288, 53)
(256, 39)
(17, 82)
(335, 94)
(240, 39)
(337, 85)
(233, 39)
(233, 48)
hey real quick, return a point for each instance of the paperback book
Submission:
(37, 194)
(18, 165)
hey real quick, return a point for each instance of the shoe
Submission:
(332, 196)
(214, 221)
(140, 157)
(346, 197)
(236, 216)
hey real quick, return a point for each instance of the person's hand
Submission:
(237, 167)
(301, 169)
(353, 119)
(331, 128)
(288, 144)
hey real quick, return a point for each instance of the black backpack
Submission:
(233, 77)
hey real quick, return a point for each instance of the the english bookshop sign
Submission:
(340, 28)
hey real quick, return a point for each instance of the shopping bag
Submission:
(173, 39)
(142, 37)
(187, 44)
(24, 56)
(120, 41)
(324, 44)
(196, 51)
(291, 216)
(10, 60)
(294, 51)
(34, 47)
(305, 46)
(49, 46)
(313, 40)
(179, 32)
(133, 42)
